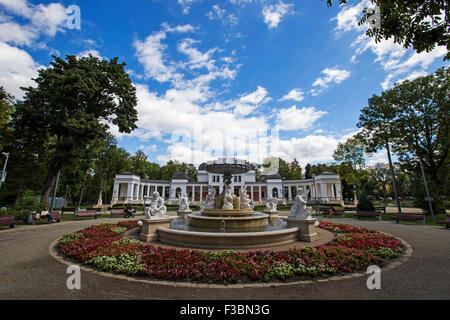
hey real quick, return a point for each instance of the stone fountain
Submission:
(227, 221)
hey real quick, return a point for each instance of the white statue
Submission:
(300, 210)
(271, 204)
(228, 198)
(157, 207)
(210, 201)
(184, 203)
(245, 200)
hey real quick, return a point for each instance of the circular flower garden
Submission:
(104, 247)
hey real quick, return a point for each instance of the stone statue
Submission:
(228, 198)
(184, 203)
(245, 200)
(271, 204)
(210, 201)
(300, 210)
(157, 207)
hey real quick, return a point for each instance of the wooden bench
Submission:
(368, 214)
(336, 212)
(409, 217)
(381, 209)
(86, 214)
(117, 212)
(64, 210)
(56, 216)
(9, 220)
(446, 221)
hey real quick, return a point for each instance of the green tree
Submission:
(414, 117)
(6, 111)
(296, 170)
(353, 151)
(73, 105)
(422, 24)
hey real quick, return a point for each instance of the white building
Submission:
(130, 188)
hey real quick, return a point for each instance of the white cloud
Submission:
(293, 119)
(349, 16)
(274, 13)
(398, 62)
(221, 14)
(17, 68)
(331, 75)
(186, 5)
(295, 95)
(91, 52)
(16, 34)
(43, 19)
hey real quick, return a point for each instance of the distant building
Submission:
(130, 188)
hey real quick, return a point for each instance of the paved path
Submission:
(29, 272)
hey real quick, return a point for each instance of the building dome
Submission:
(202, 166)
(180, 175)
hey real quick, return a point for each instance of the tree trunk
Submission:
(81, 196)
(49, 181)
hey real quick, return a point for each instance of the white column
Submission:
(251, 192)
(289, 193)
(130, 187)
(259, 194)
(116, 192)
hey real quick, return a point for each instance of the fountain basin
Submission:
(227, 212)
(243, 240)
(254, 222)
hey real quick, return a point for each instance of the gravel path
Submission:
(29, 272)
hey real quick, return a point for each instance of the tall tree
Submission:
(74, 103)
(353, 151)
(415, 117)
(6, 111)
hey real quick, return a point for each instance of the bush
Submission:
(29, 202)
(364, 203)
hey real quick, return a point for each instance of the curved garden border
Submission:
(390, 264)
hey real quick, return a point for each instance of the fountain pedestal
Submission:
(183, 214)
(273, 214)
(150, 227)
(307, 228)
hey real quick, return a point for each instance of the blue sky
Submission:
(221, 77)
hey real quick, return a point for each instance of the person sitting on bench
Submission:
(129, 212)
(47, 214)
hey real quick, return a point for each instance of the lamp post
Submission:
(3, 177)
(315, 190)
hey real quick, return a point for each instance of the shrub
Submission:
(364, 203)
(28, 202)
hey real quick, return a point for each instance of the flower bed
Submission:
(354, 249)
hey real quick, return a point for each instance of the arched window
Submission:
(275, 192)
(177, 192)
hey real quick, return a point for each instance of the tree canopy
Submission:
(73, 106)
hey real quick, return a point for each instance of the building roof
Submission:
(180, 175)
(128, 173)
(202, 166)
(276, 176)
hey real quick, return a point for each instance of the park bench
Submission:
(381, 209)
(446, 221)
(117, 212)
(9, 220)
(336, 212)
(350, 209)
(368, 214)
(64, 210)
(86, 214)
(55, 215)
(409, 217)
